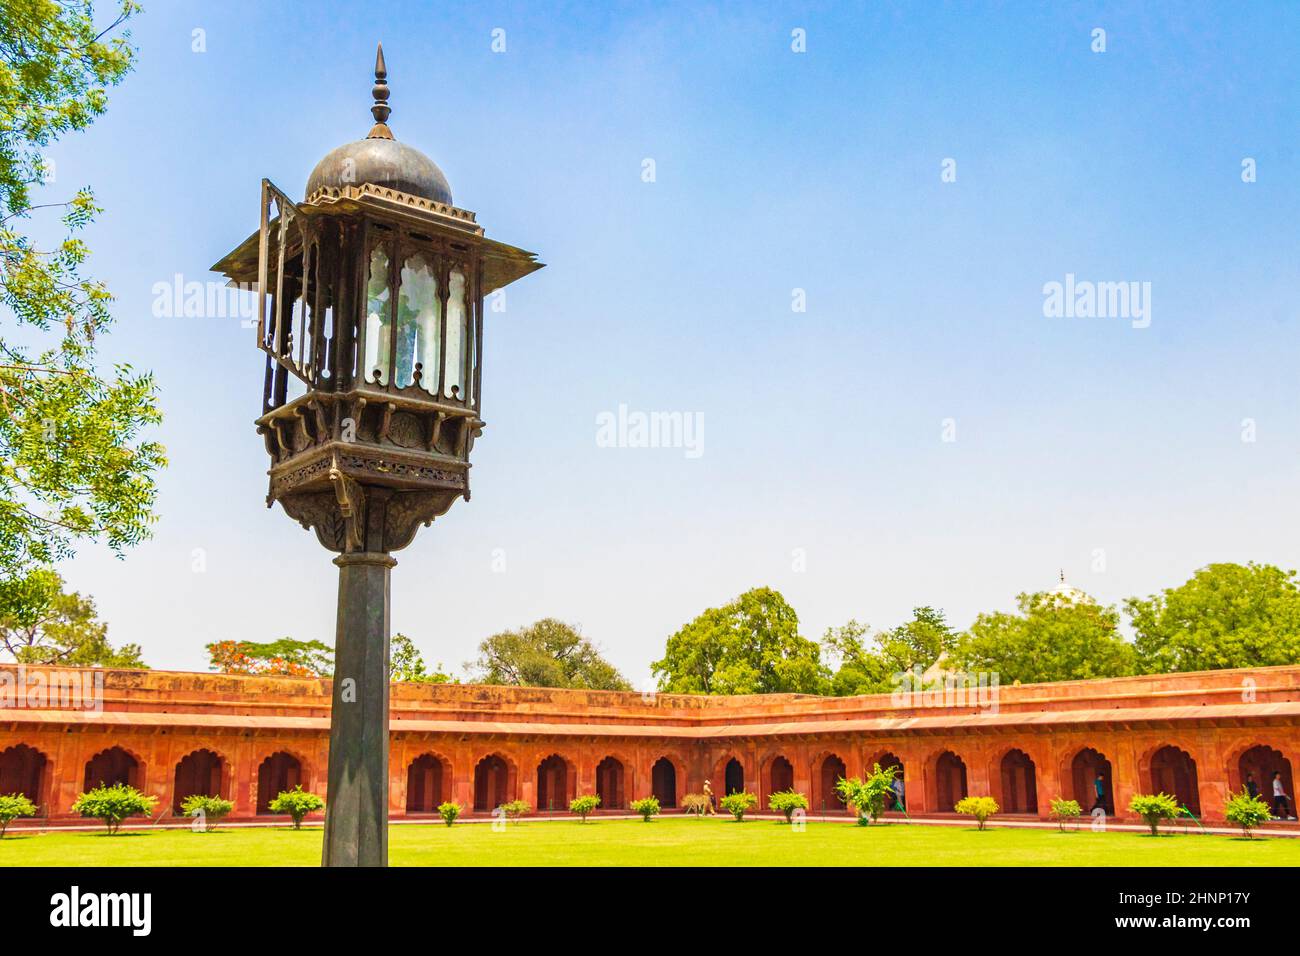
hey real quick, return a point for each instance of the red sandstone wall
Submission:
(159, 717)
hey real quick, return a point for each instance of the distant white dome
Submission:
(1069, 594)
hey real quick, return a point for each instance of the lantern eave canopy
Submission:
(502, 262)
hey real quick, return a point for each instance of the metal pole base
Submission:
(356, 808)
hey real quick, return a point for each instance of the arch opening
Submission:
(733, 777)
(111, 767)
(889, 759)
(609, 784)
(950, 781)
(830, 772)
(279, 772)
(1019, 783)
(491, 783)
(1258, 765)
(21, 770)
(780, 775)
(663, 782)
(198, 774)
(553, 784)
(1173, 771)
(426, 780)
(1085, 769)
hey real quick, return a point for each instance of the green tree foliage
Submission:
(584, 805)
(112, 805)
(73, 465)
(549, 653)
(749, 646)
(739, 803)
(919, 642)
(1051, 638)
(868, 666)
(1225, 615)
(283, 658)
(857, 668)
(13, 806)
(1246, 811)
(981, 808)
(406, 665)
(41, 623)
(297, 803)
(449, 811)
(786, 802)
(1065, 811)
(647, 806)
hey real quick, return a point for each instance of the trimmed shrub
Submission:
(515, 809)
(584, 805)
(1154, 807)
(112, 805)
(697, 803)
(209, 810)
(787, 802)
(1247, 812)
(12, 807)
(738, 804)
(647, 806)
(1064, 811)
(297, 803)
(449, 811)
(981, 808)
(869, 797)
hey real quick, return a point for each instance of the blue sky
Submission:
(822, 430)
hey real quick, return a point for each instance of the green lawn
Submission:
(671, 841)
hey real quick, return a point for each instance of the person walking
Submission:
(1281, 802)
(1099, 787)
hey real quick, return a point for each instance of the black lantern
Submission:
(370, 311)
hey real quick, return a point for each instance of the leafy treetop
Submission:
(42, 623)
(1225, 615)
(548, 653)
(72, 462)
(283, 658)
(751, 645)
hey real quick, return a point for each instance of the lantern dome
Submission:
(382, 162)
(379, 159)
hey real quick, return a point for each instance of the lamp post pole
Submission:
(356, 815)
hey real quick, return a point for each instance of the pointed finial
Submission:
(1062, 575)
(381, 109)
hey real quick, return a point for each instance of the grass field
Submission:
(664, 842)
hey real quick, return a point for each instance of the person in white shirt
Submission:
(1281, 802)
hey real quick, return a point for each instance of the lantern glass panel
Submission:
(379, 319)
(457, 335)
(419, 315)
